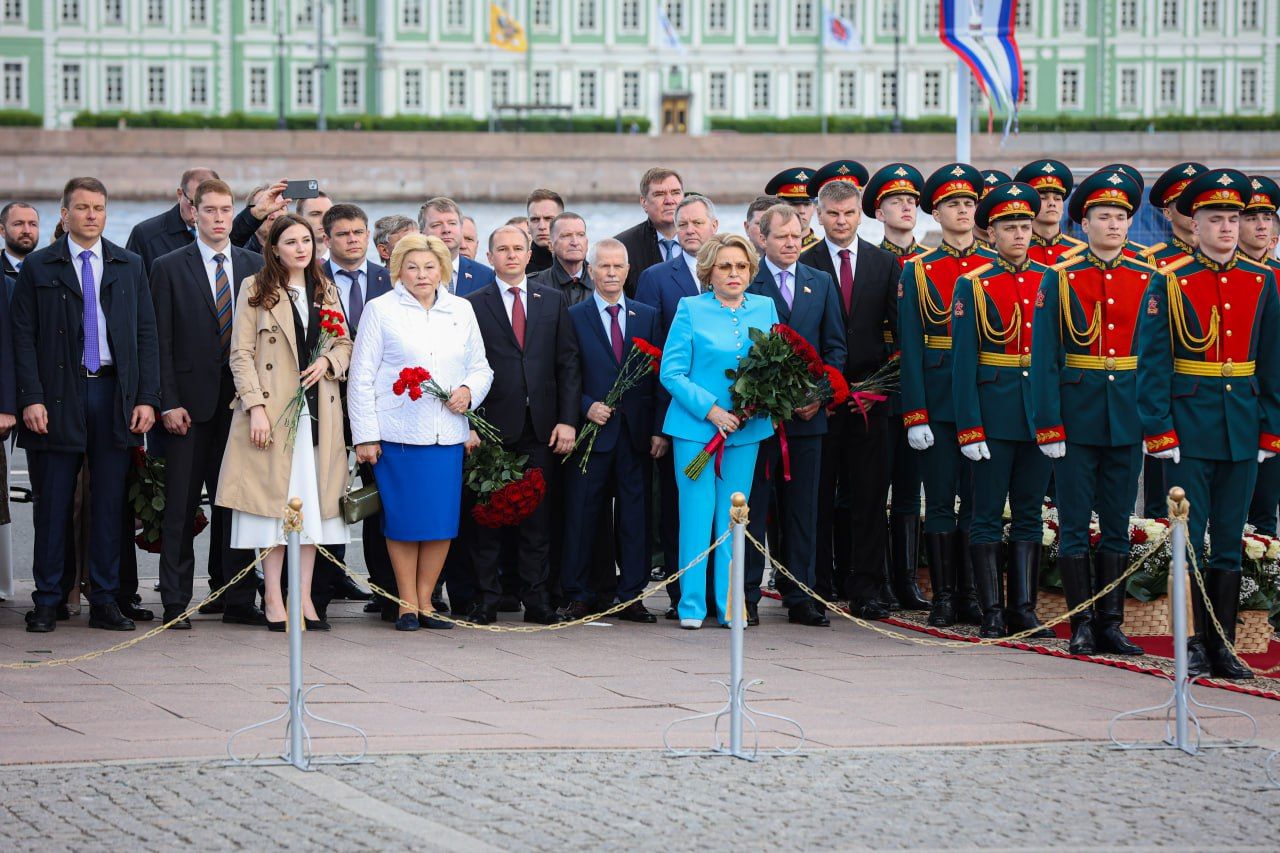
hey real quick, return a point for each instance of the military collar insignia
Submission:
(1037, 240)
(1183, 247)
(958, 253)
(890, 246)
(1009, 266)
(1098, 262)
(1212, 265)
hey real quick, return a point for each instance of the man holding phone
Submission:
(273, 199)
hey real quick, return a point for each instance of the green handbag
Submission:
(359, 504)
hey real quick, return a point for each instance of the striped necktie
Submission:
(222, 301)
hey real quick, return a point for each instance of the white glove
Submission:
(976, 452)
(1264, 455)
(920, 437)
(1054, 450)
(1174, 453)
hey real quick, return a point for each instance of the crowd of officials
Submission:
(255, 346)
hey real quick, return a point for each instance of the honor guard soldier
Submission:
(1164, 195)
(991, 362)
(1052, 180)
(893, 197)
(991, 178)
(924, 334)
(1257, 240)
(1208, 378)
(1132, 248)
(1084, 375)
(792, 186)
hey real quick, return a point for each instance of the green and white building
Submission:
(736, 59)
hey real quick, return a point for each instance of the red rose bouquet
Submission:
(642, 359)
(332, 325)
(144, 486)
(877, 387)
(416, 381)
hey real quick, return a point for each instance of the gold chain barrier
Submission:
(1208, 606)
(531, 629)
(956, 644)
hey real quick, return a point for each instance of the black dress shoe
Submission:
(438, 604)
(672, 613)
(542, 616)
(347, 589)
(480, 615)
(244, 614)
(316, 624)
(42, 620)
(870, 611)
(109, 618)
(508, 604)
(61, 613)
(132, 611)
(213, 608)
(753, 614)
(373, 605)
(808, 614)
(574, 610)
(636, 612)
(172, 613)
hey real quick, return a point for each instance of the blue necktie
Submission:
(89, 290)
(669, 248)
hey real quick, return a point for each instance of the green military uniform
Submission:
(1266, 494)
(1084, 376)
(991, 361)
(1050, 176)
(792, 186)
(924, 336)
(1209, 392)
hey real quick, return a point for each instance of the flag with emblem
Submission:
(667, 30)
(983, 34)
(840, 33)
(505, 31)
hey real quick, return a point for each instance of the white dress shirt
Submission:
(211, 269)
(603, 308)
(95, 263)
(835, 257)
(343, 283)
(509, 300)
(15, 263)
(692, 262)
(791, 276)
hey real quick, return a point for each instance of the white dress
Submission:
(259, 531)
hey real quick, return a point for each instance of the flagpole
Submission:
(822, 45)
(962, 112)
(528, 52)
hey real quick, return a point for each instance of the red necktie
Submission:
(517, 316)
(615, 331)
(846, 280)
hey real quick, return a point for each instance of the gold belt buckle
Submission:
(1109, 362)
(1024, 360)
(1228, 369)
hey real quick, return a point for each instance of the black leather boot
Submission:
(1109, 610)
(1224, 595)
(1024, 583)
(1077, 587)
(986, 575)
(886, 596)
(939, 550)
(904, 560)
(965, 599)
(1197, 643)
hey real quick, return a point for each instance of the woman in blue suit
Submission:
(709, 335)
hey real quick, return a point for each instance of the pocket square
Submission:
(807, 290)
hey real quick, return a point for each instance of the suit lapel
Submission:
(493, 299)
(597, 328)
(684, 280)
(534, 311)
(764, 278)
(200, 279)
(282, 315)
(860, 265)
(802, 294)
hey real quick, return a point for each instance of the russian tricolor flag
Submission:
(983, 34)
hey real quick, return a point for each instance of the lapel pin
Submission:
(467, 274)
(631, 313)
(807, 290)
(536, 295)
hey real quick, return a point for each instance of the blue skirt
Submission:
(421, 491)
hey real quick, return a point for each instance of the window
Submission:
(14, 85)
(717, 16)
(13, 11)
(198, 93)
(71, 84)
(803, 95)
(1127, 98)
(70, 11)
(543, 12)
(1023, 18)
(1208, 88)
(258, 12)
(350, 14)
(1170, 14)
(675, 13)
(198, 13)
(1069, 88)
(1072, 15)
(587, 99)
(629, 20)
(155, 13)
(718, 92)
(412, 87)
(113, 11)
(1169, 88)
(1209, 19)
(1249, 89)
(631, 90)
(1129, 14)
(803, 20)
(542, 87)
(761, 16)
(888, 90)
(259, 87)
(1249, 16)
(455, 15)
(761, 91)
(931, 96)
(307, 13)
(929, 16)
(113, 85)
(411, 14)
(352, 88)
(1028, 88)
(157, 86)
(848, 9)
(888, 17)
(304, 88)
(499, 86)
(588, 16)
(847, 91)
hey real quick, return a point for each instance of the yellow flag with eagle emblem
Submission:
(505, 31)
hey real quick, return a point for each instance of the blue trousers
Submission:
(108, 465)
(1018, 470)
(1266, 497)
(946, 474)
(1219, 496)
(704, 515)
(1093, 478)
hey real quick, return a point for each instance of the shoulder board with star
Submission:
(1174, 266)
(1155, 247)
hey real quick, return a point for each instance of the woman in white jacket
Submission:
(416, 446)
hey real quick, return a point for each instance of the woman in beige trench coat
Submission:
(275, 331)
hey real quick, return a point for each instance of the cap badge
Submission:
(957, 171)
(1114, 179)
(843, 170)
(1048, 169)
(1225, 180)
(1189, 171)
(900, 172)
(801, 176)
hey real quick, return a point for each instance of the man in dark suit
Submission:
(263, 206)
(534, 402)
(441, 217)
(194, 290)
(808, 302)
(89, 386)
(630, 434)
(542, 207)
(855, 450)
(174, 228)
(20, 228)
(654, 240)
(569, 272)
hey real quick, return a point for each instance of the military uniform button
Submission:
(1020, 280)
(1228, 387)
(1111, 377)
(1143, 277)
(1025, 373)
(1111, 327)
(1028, 325)
(1226, 306)
(1228, 333)
(1223, 279)
(1111, 352)
(1107, 276)
(1111, 302)
(1109, 363)
(1026, 302)
(1071, 275)
(1182, 281)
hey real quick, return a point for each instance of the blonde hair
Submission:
(711, 250)
(422, 243)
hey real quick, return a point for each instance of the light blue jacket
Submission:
(704, 341)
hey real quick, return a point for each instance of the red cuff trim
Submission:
(1164, 441)
(1267, 441)
(1053, 435)
(971, 436)
(916, 418)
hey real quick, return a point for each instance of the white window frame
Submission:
(885, 18)
(588, 83)
(939, 80)
(1214, 24)
(544, 16)
(1028, 87)
(304, 74)
(625, 103)
(1127, 23)
(161, 6)
(631, 15)
(1173, 72)
(118, 20)
(723, 26)
(204, 21)
(723, 79)
(496, 74)
(1063, 72)
(76, 101)
(1081, 16)
(345, 23)
(1025, 17)
(251, 20)
(1256, 72)
(414, 78)
(930, 19)
(14, 12)
(253, 73)
(207, 71)
(812, 17)
(1251, 23)
(345, 72)
(24, 83)
(1136, 102)
(847, 104)
(544, 76)
(1203, 73)
(585, 7)
(800, 81)
(419, 7)
(448, 24)
(163, 102)
(678, 14)
(1170, 20)
(122, 101)
(771, 25)
(73, 6)
(888, 94)
(758, 76)
(460, 105)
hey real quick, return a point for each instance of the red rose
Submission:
(398, 387)
(1138, 536)
(415, 392)
(407, 375)
(839, 387)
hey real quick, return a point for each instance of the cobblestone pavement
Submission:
(1072, 796)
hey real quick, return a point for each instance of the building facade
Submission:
(735, 58)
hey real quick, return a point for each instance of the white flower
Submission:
(1048, 538)
(1254, 550)
(1248, 586)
